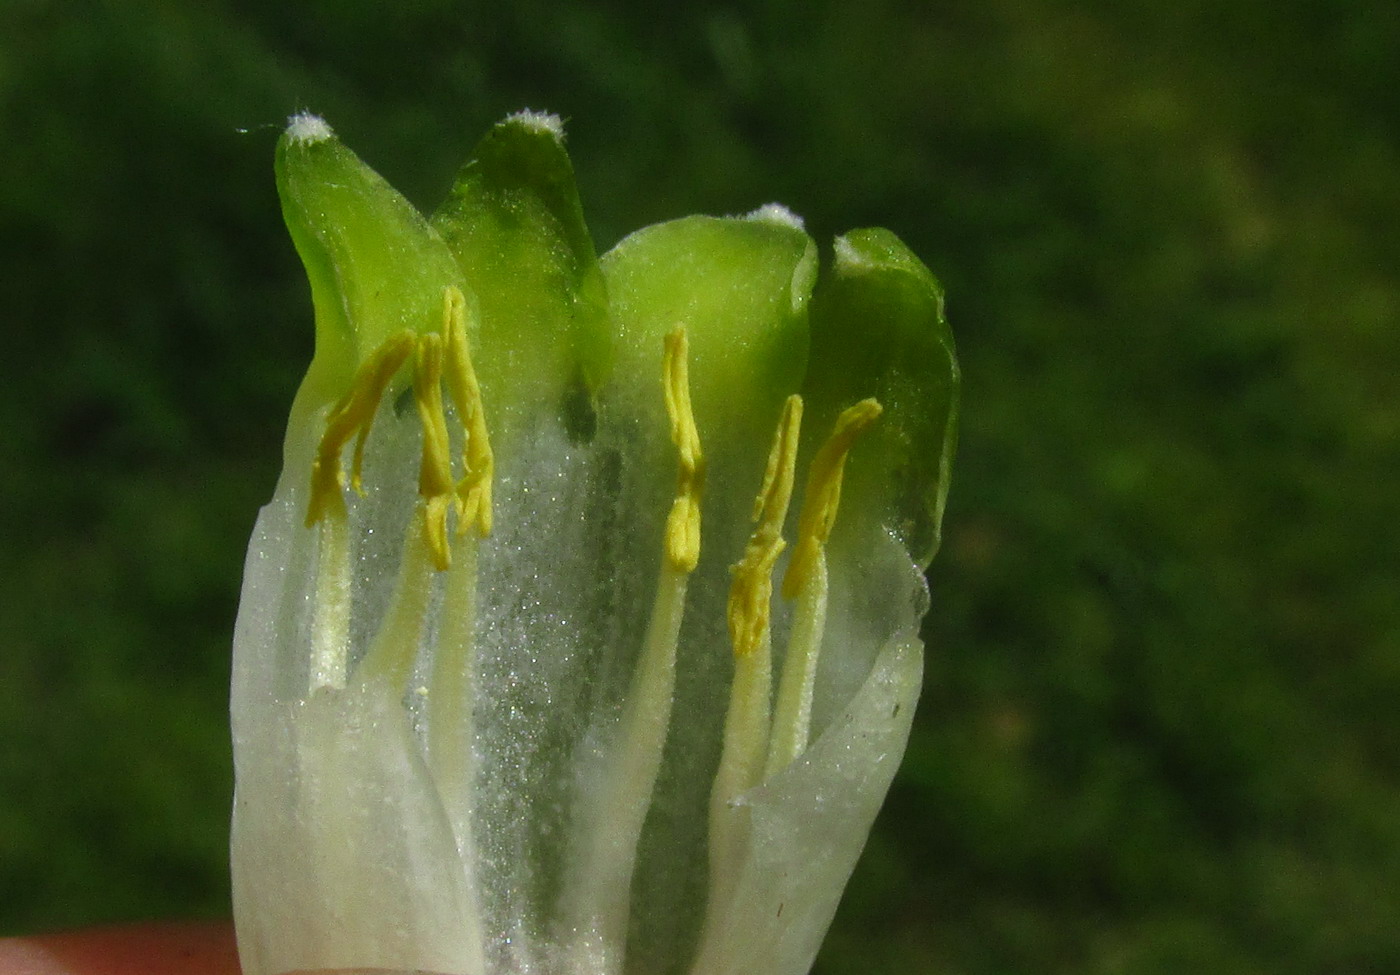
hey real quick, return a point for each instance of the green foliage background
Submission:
(1159, 732)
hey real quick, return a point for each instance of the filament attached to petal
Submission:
(806, 581)
(451, 722)
(440, 359)
(351, 417)
(330, 613)
(746, 724)
(615, 816)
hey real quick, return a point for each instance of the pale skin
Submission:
(192, 948)
(159, 948)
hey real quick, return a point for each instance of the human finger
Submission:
(199, 948)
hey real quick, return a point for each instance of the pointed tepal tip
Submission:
(304, 128)
(545, 122)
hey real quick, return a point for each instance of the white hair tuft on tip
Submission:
(848, 259)
(546, 122)
(776, 213)
(305, 128)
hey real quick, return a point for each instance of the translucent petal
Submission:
(878, 329)
(341, 854)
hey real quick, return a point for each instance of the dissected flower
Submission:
(580, 636)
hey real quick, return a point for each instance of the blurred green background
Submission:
(1160, 731)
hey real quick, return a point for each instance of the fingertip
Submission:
(198, 948)
(23, 956)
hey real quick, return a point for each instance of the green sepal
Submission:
(514, 222)
(878, 329)
(375, 265)
(740, 286)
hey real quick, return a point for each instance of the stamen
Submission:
(450, 718)
(478, 461)
(683, 523)
(390, 657)
(391, 654)
(806, 580)
(354, 414)
(435, 466)
(751, 594)
(823, 494)
(746, 724)
(599, 893)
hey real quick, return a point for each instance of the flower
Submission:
(500, 703)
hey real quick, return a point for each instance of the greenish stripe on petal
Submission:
(878, 329)
(515, 225)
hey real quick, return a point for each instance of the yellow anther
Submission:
(771, 505)
(823, 494)
(478, 462)
(683, 523)
(435, 466)
(751, 593)
(353, 416)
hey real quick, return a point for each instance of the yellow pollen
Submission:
(435, 466)
(353, 416)
(478, 462)
(683, 523)
(751, 593)
(823, 494)
(440, 359)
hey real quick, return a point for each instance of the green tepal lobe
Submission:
(878, 329)
(375, 265)
(739, 286)
(514, 223)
